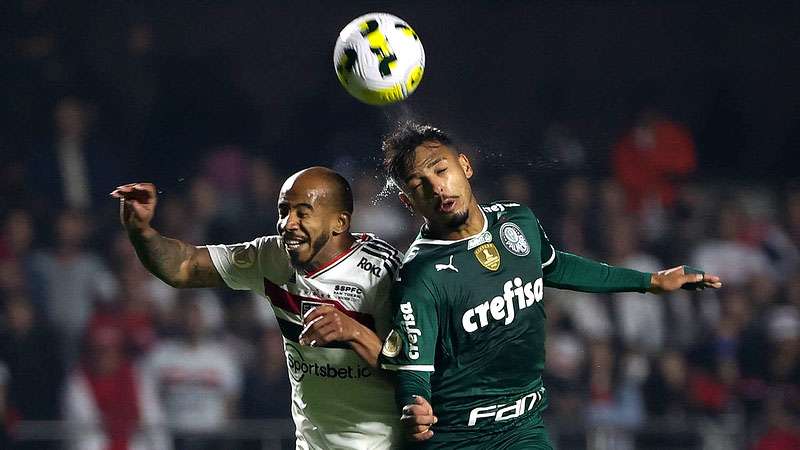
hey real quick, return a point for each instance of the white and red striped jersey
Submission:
(338, 401)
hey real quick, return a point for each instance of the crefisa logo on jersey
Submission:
(410, 325)
(513, 240)
(502, 307)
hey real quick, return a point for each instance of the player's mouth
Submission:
(294, 244)
(447, 205)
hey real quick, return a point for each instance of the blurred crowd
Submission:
(88, 337)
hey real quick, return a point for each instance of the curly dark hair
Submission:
(398, 147)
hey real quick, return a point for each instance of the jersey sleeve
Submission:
(244, 266)
(411, 343)
(548, 252)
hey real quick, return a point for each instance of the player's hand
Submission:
(325, 324)
(417, 420)
(137, 205)
(676, 277)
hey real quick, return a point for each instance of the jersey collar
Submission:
(363, 237)
(421, 240)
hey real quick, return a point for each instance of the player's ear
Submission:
(405, 201)
(466, 166)
(342, 224)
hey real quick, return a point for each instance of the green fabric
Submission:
(469, 324)
(530, 434)
(412, 383)
(581, 274)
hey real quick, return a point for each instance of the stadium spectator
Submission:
(665, 390)
(263, 184)
(782, 431)
(640, 319)
(107, 402)
(575, 215)
(74, 278)
(16, 248)
(34, 366)
(651, 159)
(615, 408)
(726, 253)
(75, 169)
(562, 145)
(198, 380)
(266, 389)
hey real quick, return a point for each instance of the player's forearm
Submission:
(411, 383)
(581, 274)
(164, 257)
(367, 345)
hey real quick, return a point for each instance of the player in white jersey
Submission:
(314, 269)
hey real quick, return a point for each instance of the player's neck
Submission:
(472, 226)
(333, 249)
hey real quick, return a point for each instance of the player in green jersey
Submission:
(468, 338)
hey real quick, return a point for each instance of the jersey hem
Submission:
(414, 367)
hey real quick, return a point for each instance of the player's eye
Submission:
(441, 170)
(283, 210)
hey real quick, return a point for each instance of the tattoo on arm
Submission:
(175, 262)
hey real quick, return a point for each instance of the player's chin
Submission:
(299, 259)
(456, 218)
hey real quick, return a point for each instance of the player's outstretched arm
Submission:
(577, 273)
(177, 263)
(325, 324)
(682, 277)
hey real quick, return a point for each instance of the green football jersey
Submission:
(470, 312)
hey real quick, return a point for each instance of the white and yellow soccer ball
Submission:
(379, 59)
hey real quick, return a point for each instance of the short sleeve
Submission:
(243, 266)
(411, 343)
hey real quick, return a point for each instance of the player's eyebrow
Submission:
(296, 205)
(428, 165)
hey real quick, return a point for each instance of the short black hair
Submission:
(342, 192)
(398, 147)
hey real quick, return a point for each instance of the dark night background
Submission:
(218, 101)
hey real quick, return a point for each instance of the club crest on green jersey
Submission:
(514, 240)
(488, 255)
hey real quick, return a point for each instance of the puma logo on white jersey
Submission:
(448, 266)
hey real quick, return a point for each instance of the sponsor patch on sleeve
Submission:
(392, 345)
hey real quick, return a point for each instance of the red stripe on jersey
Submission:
(292, 303)
(343, 254)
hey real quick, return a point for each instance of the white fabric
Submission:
(337, 400)
(74, 174)
(196, 383)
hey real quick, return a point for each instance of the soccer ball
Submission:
(379, 59)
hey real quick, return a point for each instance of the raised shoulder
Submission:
(502, 207)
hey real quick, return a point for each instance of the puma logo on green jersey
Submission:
(502, 307)
(410, 325)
